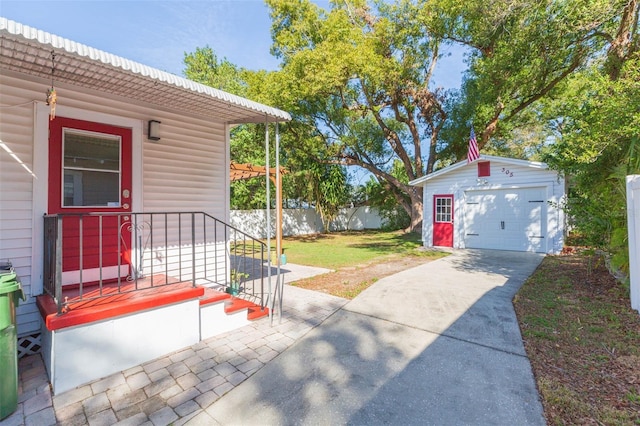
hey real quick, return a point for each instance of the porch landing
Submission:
(94, 338)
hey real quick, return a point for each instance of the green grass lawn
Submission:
(336, 250)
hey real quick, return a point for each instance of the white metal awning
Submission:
(27, 50)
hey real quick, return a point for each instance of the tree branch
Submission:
(391, 136)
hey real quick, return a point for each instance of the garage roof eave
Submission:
(421, 181)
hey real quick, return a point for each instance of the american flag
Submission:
(473, 154)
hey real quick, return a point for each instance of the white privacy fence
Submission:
(633, 218)
(305, 221)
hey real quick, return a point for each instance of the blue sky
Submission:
(158, 33)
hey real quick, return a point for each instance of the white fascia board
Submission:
(421, 181)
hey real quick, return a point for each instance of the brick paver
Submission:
(179, 386)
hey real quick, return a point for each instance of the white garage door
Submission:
(509, 219)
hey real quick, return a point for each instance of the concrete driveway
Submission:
(436, 344)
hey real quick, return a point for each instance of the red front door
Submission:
(443, 220)
(90, 172)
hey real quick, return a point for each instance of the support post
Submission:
(268, 214)
(633, 228)
(279, 251)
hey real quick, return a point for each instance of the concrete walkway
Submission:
(437, 344)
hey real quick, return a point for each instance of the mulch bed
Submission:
(583, 340)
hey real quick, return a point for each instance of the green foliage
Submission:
(356, 79)
(520, 51)
(551, 80)
(382, 197)
(247, 141)
(327, 187)
(322, 185)
(247, 146)
(597, 146)
(204, 67)
(236, 276)
(557, 81)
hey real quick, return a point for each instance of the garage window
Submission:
(484, 169)
(443, 209)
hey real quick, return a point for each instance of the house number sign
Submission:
(507, 172)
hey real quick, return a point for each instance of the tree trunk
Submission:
(416, 213)
(623, 42)
(413, 205)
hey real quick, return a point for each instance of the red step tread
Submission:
(213, 296)
(253, 311)
(84, 312)
(236, 304)
(257, 313)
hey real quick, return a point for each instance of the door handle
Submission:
(502, 224)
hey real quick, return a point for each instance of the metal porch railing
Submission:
(94, 255)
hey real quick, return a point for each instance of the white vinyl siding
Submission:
(16, 186)
(186, 170)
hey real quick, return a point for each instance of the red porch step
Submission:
(80, 312)
(233, 304)
(213, 296)
(257, 313)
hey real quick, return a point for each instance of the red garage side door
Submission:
(443, 220)
(90, 172)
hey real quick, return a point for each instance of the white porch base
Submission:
(78, 355)
(214, 320)
(75, 355)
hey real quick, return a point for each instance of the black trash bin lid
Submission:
(7, 275)
(5, 268)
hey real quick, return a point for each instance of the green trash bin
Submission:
(10, 293)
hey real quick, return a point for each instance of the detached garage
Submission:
(494, 203)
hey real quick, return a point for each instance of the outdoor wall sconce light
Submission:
(153, 130)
